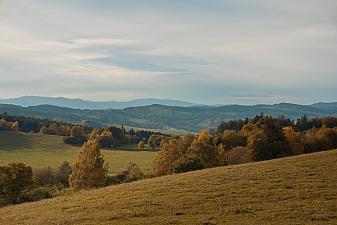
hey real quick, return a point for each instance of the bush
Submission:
(45, 177)
(132, 173)
(141, 145)
(63, 174)
(15, 179)
(188, 165)
(38, 193)
(76, 141)
(239, 155)
(155, 141)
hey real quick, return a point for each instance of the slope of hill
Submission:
(164, 117)
(39, 151)
(295, 190)
(332, 106)
(84, 104)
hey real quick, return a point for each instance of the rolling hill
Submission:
(84, 104)
(294, 190)
(166, 117)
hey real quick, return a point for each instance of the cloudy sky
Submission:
(205, 51)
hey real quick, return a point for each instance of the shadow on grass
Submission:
(12, 141)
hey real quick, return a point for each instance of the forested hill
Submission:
(168, 117)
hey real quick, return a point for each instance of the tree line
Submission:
(78, 134)
(300, 125)
(259, 138)
(249, 140)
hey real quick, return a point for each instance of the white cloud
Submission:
(208, 52)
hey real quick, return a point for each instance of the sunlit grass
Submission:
(296, 190)
(40, 151)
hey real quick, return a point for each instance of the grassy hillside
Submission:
(40, 150)
(296, 190)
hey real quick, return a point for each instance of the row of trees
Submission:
(261, 138)
(33, 125)
(9, 126)
(300, 125)
(76, 134)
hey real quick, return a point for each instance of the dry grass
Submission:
(296, 190)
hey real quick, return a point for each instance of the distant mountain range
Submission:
(84, 104)
(193, 118)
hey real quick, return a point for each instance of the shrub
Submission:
(63, 174)
(141, 145)
(132, 173)
(238, 155)
(188, 165)
(15, 179)
(45, 177)
(155, 141)
(38, 193)
(76, 141)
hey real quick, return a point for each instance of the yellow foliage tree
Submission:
(90, 170)
(295, 140)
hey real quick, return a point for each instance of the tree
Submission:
(172, 153)
(15, 179)
(77, 131)
(155, 141)
(133, 173)
(295, 140)
(63, 173)
(45, 177)
(204, 150)
(265, 138)
(141, 145)
(232, 139)
(90, 170)
(327, 138)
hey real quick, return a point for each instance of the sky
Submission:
(203, 51)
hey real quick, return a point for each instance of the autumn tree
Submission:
(90, 170)
(155, 141)
(266, 139)
(204, 150)
(295, 140)
(326, 138)
(172, 153)
(141, 145)
(232, 139)
(63, 173)
(15, 179)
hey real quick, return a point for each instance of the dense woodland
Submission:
(233, 142)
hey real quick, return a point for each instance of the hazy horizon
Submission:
(206, 52)
(169, 99)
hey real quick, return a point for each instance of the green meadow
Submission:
(38, 151)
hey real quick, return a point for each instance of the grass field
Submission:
(298, 190)
(39, 151)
